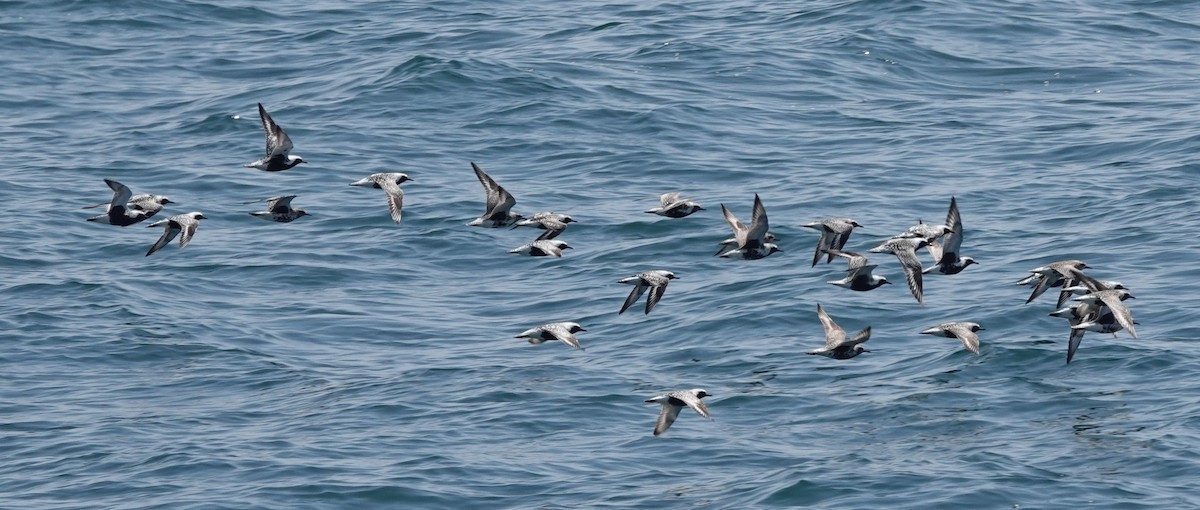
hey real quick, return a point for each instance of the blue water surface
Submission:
(344, 361)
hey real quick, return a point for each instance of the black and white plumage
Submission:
(499, 203)
(834, 234)
(561, 331)
(656, 281)
(671, 206)
(674, 402)
(946, 256)
(837, 346)
(751, 239)
(174, 226)
(1089, 315)
(905, 250)
(278, 145)
(1113, 300)
(279, 209)
(125, 208)
(730, 244)
(389, 182)
(964, 331)
(858, 273)
(1063, 273)
(553, 223)
(542, 248)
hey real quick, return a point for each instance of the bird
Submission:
(1093, 318)
(279, 209)
(1063, 273)
(656, 281)
(946, 256)
(751, 240)
(730, 244)
(278, 146)
(904, 248)
(542, 248)
(389, 182)
(553, 223)
(1113, 300)
(858, 273)
(964, 331)
(673, 402)
(836, 344)
(125, 208)
(834, 234)
(671, 206)
(562, 331)
(173, 226)
(499, 203)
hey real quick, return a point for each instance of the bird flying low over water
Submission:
(905, 250)
(946, 256)
(562, 331)
(390, 184)
(671, 206)
(656, 281)
(542, 248)
(837, 346)
(278, 146)
(1063, 273)
(751, 240)
(964, 331)
(279, 209)
(125, 208)
(499, 203)
(858, 273)
(674, 402)
(834, 234)
(553, 223)
(174, 226)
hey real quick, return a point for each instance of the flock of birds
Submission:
(1098, 305)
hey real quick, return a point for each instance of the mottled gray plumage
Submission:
(561, 331)
(389, 182)
(675, 401)
(656, 281)
(175, 225)
(837, 346)
(964, 331)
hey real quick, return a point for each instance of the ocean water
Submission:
(343, 361)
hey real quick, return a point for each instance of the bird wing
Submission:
(278, 142)
(758, 223)
(553, 229)
(121, 194)
(667, 199)
(395, 197)
(168, 234)
(823, 244)
(854, 260)
(858, 338)
(656, 293)
(666, 418)
(969, 339)
(1074, 341)
(912, 271)
(638, 289)
(187, 225)
(498, 199)
(693, 402)
(840, 237)
(952, 241)
(280, 204)
(564, 336)
(834, 334)
(739, 229)
(1120, 312)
